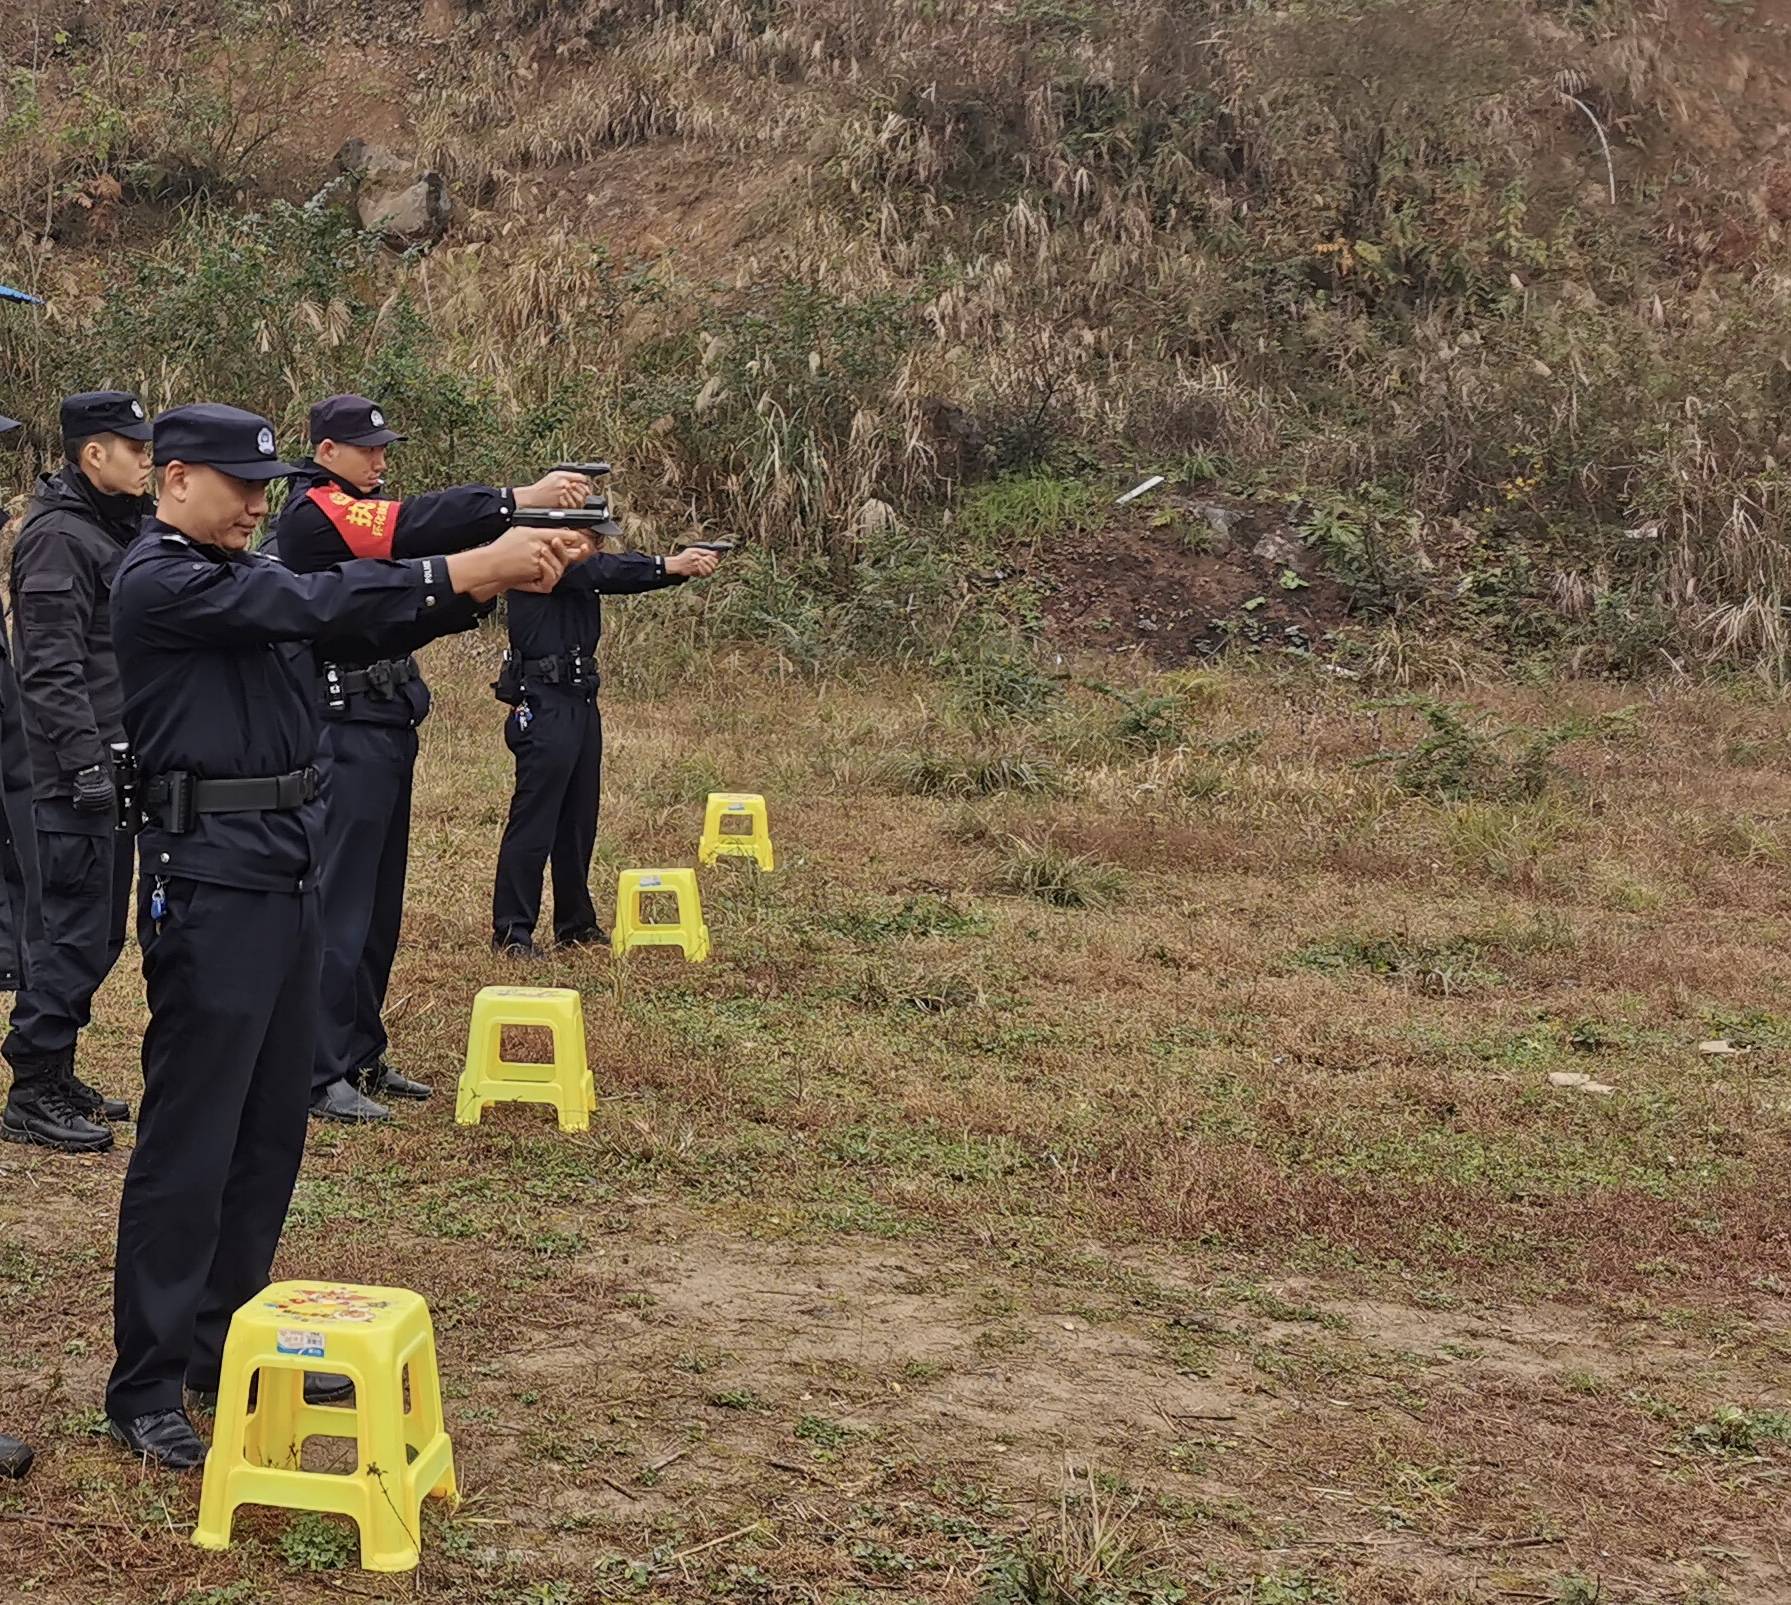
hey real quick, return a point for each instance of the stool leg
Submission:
(391, 1534)
(231, 1430)
(569, 1098)
(484, 1042)
(426, 1408)
(279, 1395)
(468, 1104)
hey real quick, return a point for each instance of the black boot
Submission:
(39, 1109)
(91, 1102)
(15, 1457)
(381, 1080)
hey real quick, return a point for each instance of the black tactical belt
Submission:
(174, 801)
(569, 668)
(382, 681)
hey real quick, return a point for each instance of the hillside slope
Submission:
(1497, 289)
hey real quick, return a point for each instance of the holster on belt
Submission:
(174, 801)
(572, 669)
(380, 681)
(507, 687)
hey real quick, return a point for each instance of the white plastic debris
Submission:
(1138, 490)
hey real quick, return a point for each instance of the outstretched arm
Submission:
(628, 573)
(243, 603)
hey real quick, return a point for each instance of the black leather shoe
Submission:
(514, 947)
(590, 936)
(45, 1116)
(15, 1457)
(380, 1077)
(321, 1387)
(340, 1101)
(164, 1436)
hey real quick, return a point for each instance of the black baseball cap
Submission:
(228, 439)
(104, 412)
(351, 421)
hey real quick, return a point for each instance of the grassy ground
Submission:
(1114, 1159)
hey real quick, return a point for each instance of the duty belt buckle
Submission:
(309, 783)
(380, 678)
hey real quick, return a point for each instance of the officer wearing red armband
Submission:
(372, 697)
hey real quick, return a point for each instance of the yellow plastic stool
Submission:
(753, 842)
(688, 931)
(381, 1338)
(491, 1078)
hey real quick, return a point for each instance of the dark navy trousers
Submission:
(366, 772)
(86, 902)
(558, 750)
(232, 978)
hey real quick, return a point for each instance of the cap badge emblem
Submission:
(136, 409)
(264, 442)
(378, 417)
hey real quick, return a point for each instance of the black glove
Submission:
(93, 790)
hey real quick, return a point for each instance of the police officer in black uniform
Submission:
(555, 734)
(18, 910)
(372, 696)
(21, 923)
(75, 533)
(220, 711)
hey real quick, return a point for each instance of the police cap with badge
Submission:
(351, 421)
(228, 439)
(104, 412)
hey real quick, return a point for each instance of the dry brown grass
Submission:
(1139, 230)
(1247, 1197)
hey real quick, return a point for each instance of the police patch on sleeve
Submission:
(264, 442)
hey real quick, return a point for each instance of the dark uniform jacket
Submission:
(21, 912)
(325, 521)
(568, 620)
(215, 649)
(69, 546)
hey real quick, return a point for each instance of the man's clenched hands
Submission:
(558, 489)
(693, 563)
(519, 559)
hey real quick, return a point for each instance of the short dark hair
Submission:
(72, 446)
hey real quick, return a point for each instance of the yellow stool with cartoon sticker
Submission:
(380, 1338)
(632, 929)
(722, 837)
(489, 1077)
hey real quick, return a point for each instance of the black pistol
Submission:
(595, 515)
